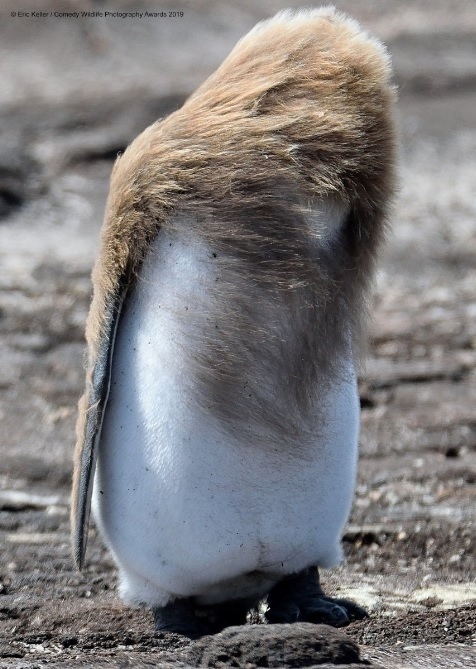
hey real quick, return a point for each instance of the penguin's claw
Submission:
(353, 610)
(324, 610)
(300, 598)
(319, 610)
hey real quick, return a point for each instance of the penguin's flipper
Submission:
(91, 413)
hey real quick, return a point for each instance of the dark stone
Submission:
(285, 646)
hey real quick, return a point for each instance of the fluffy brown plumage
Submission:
(300, 112)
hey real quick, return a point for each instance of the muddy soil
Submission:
(76, 91)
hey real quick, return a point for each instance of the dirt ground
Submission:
(74, 92)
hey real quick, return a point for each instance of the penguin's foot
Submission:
(300, 598)
(186, 617)
(181, 617)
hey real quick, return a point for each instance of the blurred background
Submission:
(74, 92)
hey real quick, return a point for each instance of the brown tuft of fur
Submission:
(299, 113)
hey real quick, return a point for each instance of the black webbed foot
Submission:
(181, 617)
(300, 598)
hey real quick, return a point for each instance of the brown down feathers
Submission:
(301, 105)
(301, 110)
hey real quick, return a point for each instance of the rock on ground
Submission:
(298, 645)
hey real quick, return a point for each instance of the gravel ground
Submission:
(73, 93)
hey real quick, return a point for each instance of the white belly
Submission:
(188, 507)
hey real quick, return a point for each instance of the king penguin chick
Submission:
(217, 437)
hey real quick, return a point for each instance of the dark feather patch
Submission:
(96, 397)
